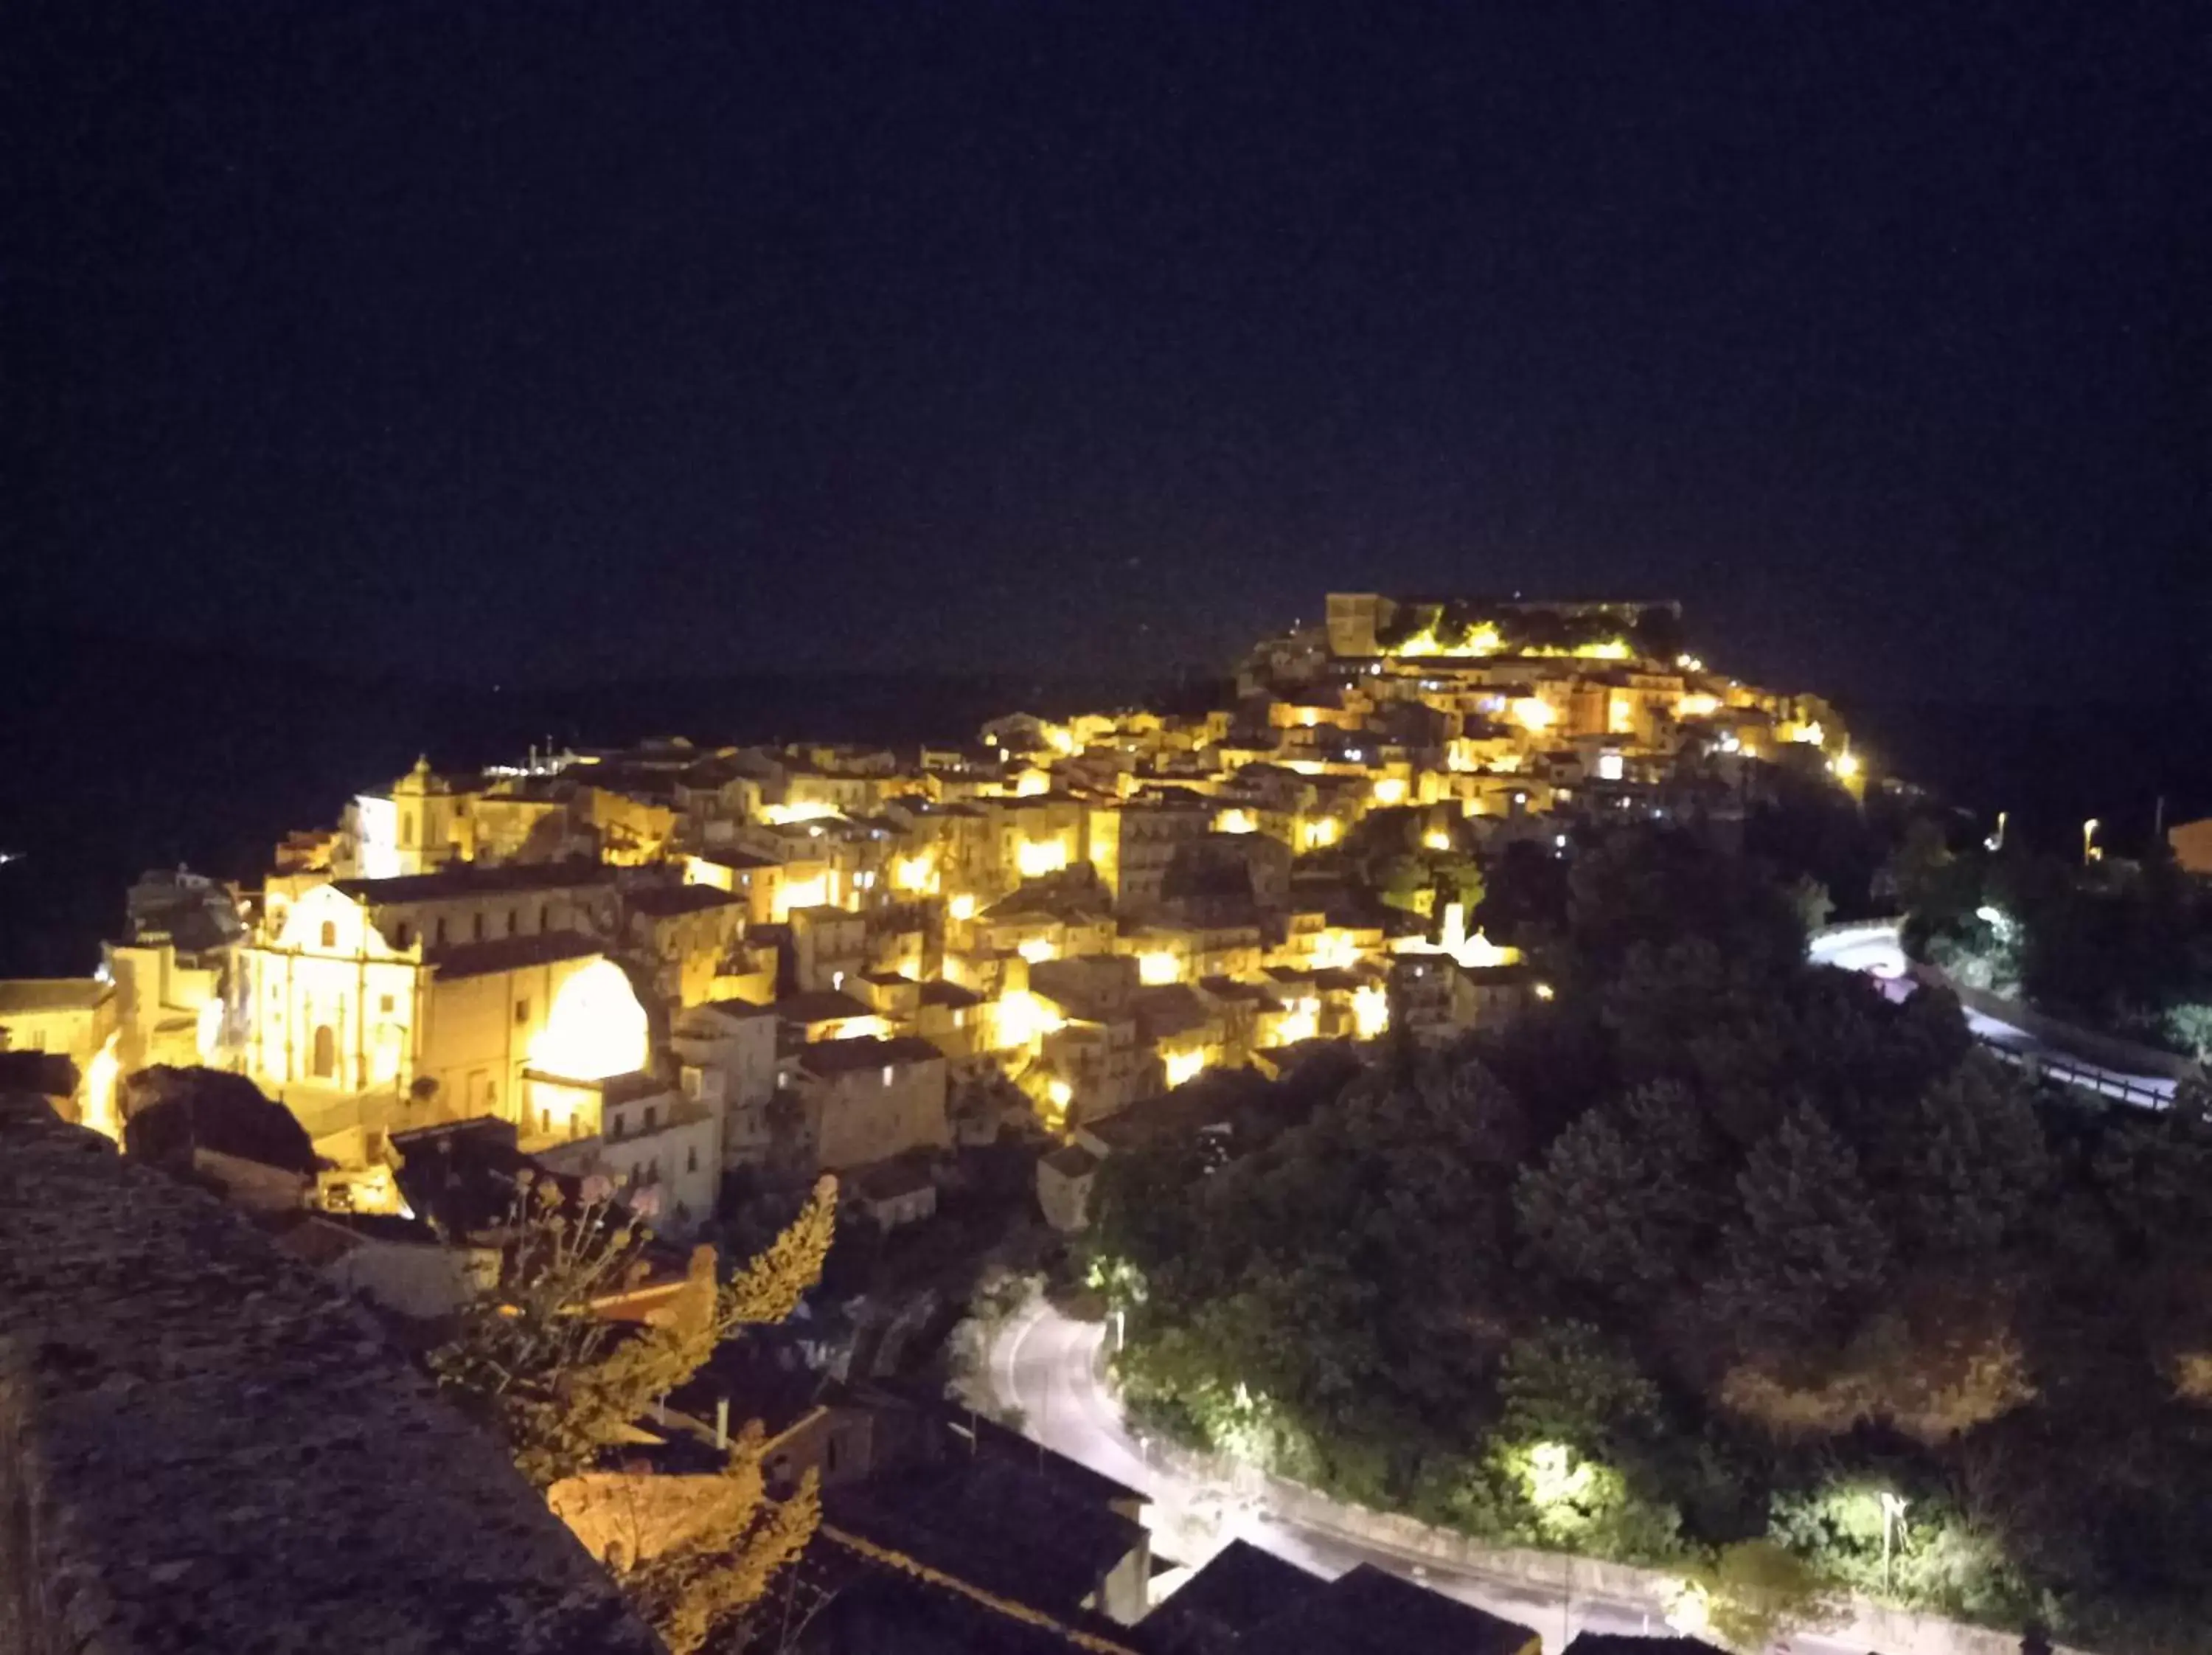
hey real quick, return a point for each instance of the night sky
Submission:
(554, 340)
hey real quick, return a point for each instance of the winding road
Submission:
(1874, 950)
(1048, 1366)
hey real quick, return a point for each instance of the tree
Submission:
(724, 1567)
(1755, 1593)
(1660, 887)
(1808, 1254)
(1622, 1200)
(1567, 1382)
(1959, 1168)
(559, 1383)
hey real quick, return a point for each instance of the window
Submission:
(691, 1158)
(522, 1011)
(618, 1128)
(478, 927)
(545, 916)
(407, 828)
(330, 934)
(651, 1116)
(513, 921)
(402, 935)
(887, 1074)
(384, 1004)
(441, 931)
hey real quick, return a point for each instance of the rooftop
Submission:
(994, 1523)
(820, 1006)
(828, 1057)
(472, 880)
(53, 994)
(1241, 1588)
(468, 960)
(662, 902)
(1371, 1612)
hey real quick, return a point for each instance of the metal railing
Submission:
(2067, 1071)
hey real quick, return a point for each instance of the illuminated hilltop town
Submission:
(663, 963)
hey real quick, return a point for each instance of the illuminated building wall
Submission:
(168, 1009)
(329, 1007)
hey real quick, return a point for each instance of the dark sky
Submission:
(560, 339)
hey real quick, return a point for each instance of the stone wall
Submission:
(203, 1446)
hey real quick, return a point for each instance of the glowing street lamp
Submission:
(2090, 851)
(1893, 1518)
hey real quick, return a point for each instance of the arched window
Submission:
(326, 1052)
(330, 934)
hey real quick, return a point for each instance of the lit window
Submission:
(330, 934)
(384, 1005)
(887, 1074)
(522, 1011)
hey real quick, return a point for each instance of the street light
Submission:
(1893, 1517)
(2090, 853)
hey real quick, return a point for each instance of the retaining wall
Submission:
(1868, 1625)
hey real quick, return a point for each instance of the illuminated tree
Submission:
(1756, 1593)
(725, 1565)
(559, 1383)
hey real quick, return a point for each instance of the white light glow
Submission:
(1158, 969)
(806, 811)
(99, 1078)
(596, 1027)
(1371, 1011)
(1034, 858)
(1183, 1066)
